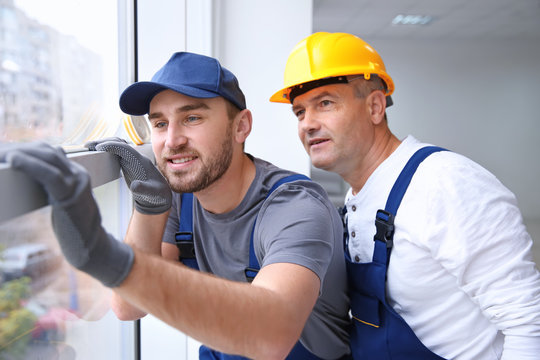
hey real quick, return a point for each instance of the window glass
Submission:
(58, 70)
(48, 310)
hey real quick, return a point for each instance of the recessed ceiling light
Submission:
(412, 19)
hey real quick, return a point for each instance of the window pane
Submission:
(47, 309)
(58, 70)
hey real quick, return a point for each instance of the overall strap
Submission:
(384, 220)
(184, 236)
(254, 267)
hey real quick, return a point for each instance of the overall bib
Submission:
(378, 331)
(184, 241)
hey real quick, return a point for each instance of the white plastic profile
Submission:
(20, 194)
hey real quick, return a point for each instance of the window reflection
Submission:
(58, 70)
(47, 309)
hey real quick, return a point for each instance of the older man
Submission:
(448, 276)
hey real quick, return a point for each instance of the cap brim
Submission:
(136, 98)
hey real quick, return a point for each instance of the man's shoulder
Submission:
(444, 162)
(270, 174)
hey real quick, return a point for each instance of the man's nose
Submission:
(176, 137)
(310, 122)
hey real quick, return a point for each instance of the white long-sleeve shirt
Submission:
(461, 272)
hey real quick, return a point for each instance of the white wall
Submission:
(255, 39)
(478, 98)
(162, 32)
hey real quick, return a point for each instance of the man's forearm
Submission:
(143, 233)
(258, 321)
(124, 310)
(146, 231)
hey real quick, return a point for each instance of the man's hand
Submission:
(75, 216)
(151, 192)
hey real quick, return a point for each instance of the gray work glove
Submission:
(75, 216)
(151, 192)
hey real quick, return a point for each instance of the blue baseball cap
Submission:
(189, 74)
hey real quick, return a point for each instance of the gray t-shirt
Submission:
(297, 224)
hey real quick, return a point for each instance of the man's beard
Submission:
(212, 169)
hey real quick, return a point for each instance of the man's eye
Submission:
(299, 113)
(325, 103)
(192, 119)
(160, 124)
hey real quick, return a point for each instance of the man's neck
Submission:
(381, 150)
(228, 191)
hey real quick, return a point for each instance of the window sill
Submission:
(20, 194)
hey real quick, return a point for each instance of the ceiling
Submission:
(451, 19)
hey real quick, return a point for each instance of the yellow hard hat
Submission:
(325, 55)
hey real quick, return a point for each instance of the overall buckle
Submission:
(184, 242)
(384, 222)
(250, 273)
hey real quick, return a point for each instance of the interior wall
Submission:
(254, 40)
(478, 98)
(161, 32)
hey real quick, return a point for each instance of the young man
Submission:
(241, 218)
(449, 273)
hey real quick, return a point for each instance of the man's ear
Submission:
(242, 127)
(376, 104)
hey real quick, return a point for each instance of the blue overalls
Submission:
(184, 241)
(378, 331)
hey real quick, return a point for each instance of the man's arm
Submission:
(496, 270)
(259, 320)
(152, 196)
(144, 234)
